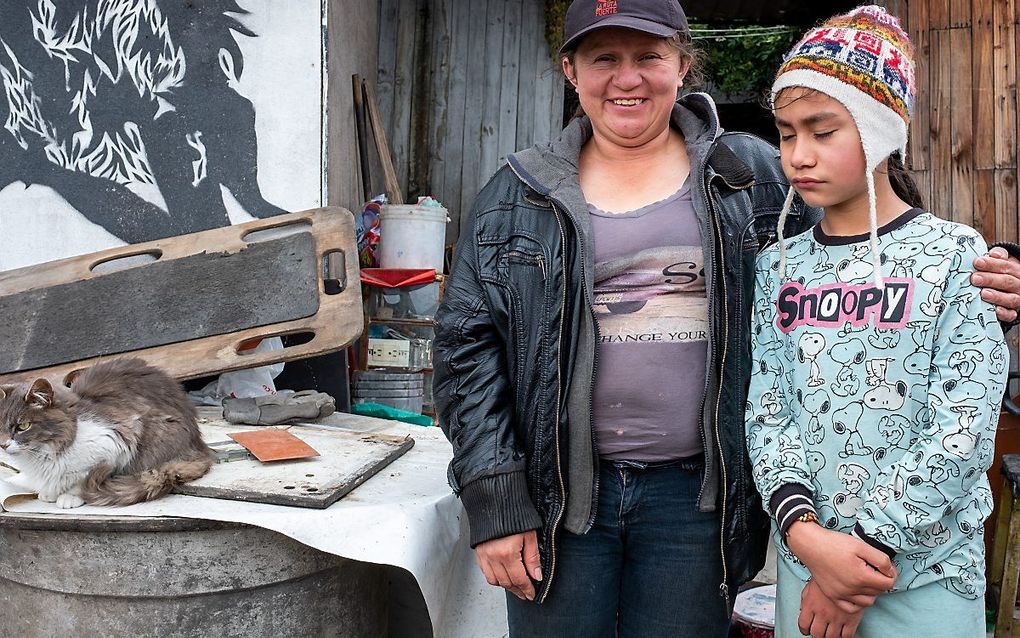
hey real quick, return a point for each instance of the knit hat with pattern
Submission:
(861, 59)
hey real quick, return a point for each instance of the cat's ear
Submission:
(40, 395)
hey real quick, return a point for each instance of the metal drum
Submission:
(754, 612)
(125, 576)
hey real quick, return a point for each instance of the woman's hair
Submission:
(899, 177)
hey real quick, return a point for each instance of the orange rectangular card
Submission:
(274, 445)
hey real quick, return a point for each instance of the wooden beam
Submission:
(938, 14)
(919, 149)
(962, 121)
(471, 179)
(941, 165)
(379, 135)
(440, 72)
(960, 14)
(1005, 80)
(984, 89)
(495, 56)
(1006, 204)
(984, 204)
(510, 71)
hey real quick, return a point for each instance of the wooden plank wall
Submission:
(349, 47)
(963, 147)
(460, 85)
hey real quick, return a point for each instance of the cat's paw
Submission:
(67, 501)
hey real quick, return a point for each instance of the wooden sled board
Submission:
(346, 460)
(338, 322)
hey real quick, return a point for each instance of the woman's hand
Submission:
(507, 562)
(999, 277)
(846, 569)
(820, 617)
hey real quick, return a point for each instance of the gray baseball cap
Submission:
(656, 17)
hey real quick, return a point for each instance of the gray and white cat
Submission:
(124, 432)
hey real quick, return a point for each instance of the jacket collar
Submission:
(552, 168)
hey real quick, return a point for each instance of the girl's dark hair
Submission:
(902, 183)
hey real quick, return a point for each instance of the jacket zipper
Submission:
(529, 258)
(724, 588)
(556, 423)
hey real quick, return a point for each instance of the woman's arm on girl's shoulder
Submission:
(939, 472)
(999, 277)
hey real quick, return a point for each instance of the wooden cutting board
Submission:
(195, 306)
(346, 460)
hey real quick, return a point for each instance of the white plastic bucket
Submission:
(412, 236)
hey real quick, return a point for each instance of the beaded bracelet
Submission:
(808, 517)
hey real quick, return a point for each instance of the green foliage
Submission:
(555, 17)
(738, 59)
(742, 60)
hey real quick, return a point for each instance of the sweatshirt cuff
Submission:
(1014, 251)
(789, 502)
(498, 506)
(859, 532)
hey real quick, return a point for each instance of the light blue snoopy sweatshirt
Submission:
(877, 408)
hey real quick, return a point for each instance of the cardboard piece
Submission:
(274, 445)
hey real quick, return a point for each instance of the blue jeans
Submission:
(650, 565)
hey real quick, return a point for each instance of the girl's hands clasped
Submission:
(845, 569)
(821, 617)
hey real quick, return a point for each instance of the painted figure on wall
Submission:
(129, 110)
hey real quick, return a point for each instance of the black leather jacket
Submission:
(515, 348)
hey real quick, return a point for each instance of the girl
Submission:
(879, 370)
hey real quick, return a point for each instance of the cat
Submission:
(124, 432)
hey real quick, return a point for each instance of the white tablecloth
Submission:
(405, 516)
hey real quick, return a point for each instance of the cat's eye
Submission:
(23, 427)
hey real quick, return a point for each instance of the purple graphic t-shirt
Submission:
(652, 314)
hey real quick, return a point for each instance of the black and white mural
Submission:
(124, 121)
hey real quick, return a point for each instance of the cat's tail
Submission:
(102, 487)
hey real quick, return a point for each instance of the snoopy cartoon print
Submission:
(846, 420)
(857, 267)
(901, 255)
(935, 275)
(919, 361)
(848, 503)
(816, 405)
(848, 354)
(960, 443)
(770, 401)
(884, 395)
(810, 346)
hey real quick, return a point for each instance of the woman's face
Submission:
(627, 82)
(820, 146)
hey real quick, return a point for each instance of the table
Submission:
(402, 537)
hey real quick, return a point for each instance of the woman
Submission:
(592, 352)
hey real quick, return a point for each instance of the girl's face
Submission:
(627, 82)
(821, 149)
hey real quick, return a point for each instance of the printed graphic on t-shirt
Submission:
(654, 296)
(836, 304)
(882, 401)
